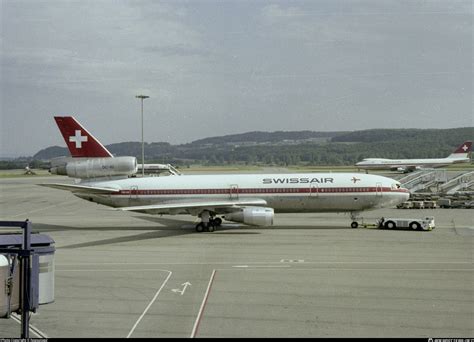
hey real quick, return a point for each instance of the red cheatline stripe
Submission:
(257, 191)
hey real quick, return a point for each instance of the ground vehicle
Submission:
(458, 204)
(469, 205)
(430, 204)
(405, 205)
(418, 205)
(426, 223)
(444, 203)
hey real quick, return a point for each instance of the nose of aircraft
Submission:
(405, 195)
(396, 197)
(402, 195)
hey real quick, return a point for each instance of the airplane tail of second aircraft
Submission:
(462, 151)
(78, 140)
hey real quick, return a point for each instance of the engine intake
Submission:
(255, 216)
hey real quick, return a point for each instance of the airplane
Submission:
(252, 199)
(86, 150)
(460, 155)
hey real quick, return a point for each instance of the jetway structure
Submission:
(424, 180)
(437, 182)
(434, 185)
(410, 177)
(462, 182)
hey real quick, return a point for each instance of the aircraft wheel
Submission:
(354, 224)
(200, 227)
(390, 225)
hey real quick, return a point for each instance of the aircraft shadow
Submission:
(172, 229)
(177, 225)
(44, 228)
(155, 234)
(166, 222)
(152, 233)
(313, 227)
(182, 224)
(172, 224)
(122, 239)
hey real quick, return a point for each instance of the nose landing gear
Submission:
(354, 218)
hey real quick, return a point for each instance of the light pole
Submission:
(142, 97)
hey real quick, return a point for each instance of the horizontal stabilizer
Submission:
(81, 188)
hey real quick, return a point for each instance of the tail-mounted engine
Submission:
(98, 167)
(255, 216)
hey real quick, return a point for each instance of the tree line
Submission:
(337, 148)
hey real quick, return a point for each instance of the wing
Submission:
(194, 206)
(81, 188)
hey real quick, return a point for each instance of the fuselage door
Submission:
(313, 190)
(378, 190)
(133, 197)
(134, 192)
(234, 192)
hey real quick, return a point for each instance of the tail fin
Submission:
(78, 140)
(462, 151)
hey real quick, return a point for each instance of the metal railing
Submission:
(24, 254)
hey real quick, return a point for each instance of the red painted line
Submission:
(255, 191)
(203, 305)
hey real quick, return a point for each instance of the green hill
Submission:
(294, 148)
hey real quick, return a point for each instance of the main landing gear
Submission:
(208, 223)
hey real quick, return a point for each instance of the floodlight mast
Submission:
(142, 97)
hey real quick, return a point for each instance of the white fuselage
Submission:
(310, 192)
(387, 164)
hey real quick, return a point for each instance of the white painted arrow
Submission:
(186, 284)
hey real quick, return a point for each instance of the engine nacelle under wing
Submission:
(98, 167)
(255, 216)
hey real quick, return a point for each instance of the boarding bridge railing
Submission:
(466, 187)
(462, 181)
(421, 182)
(410, 177)
(173, 170)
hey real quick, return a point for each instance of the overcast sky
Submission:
(223, 67)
